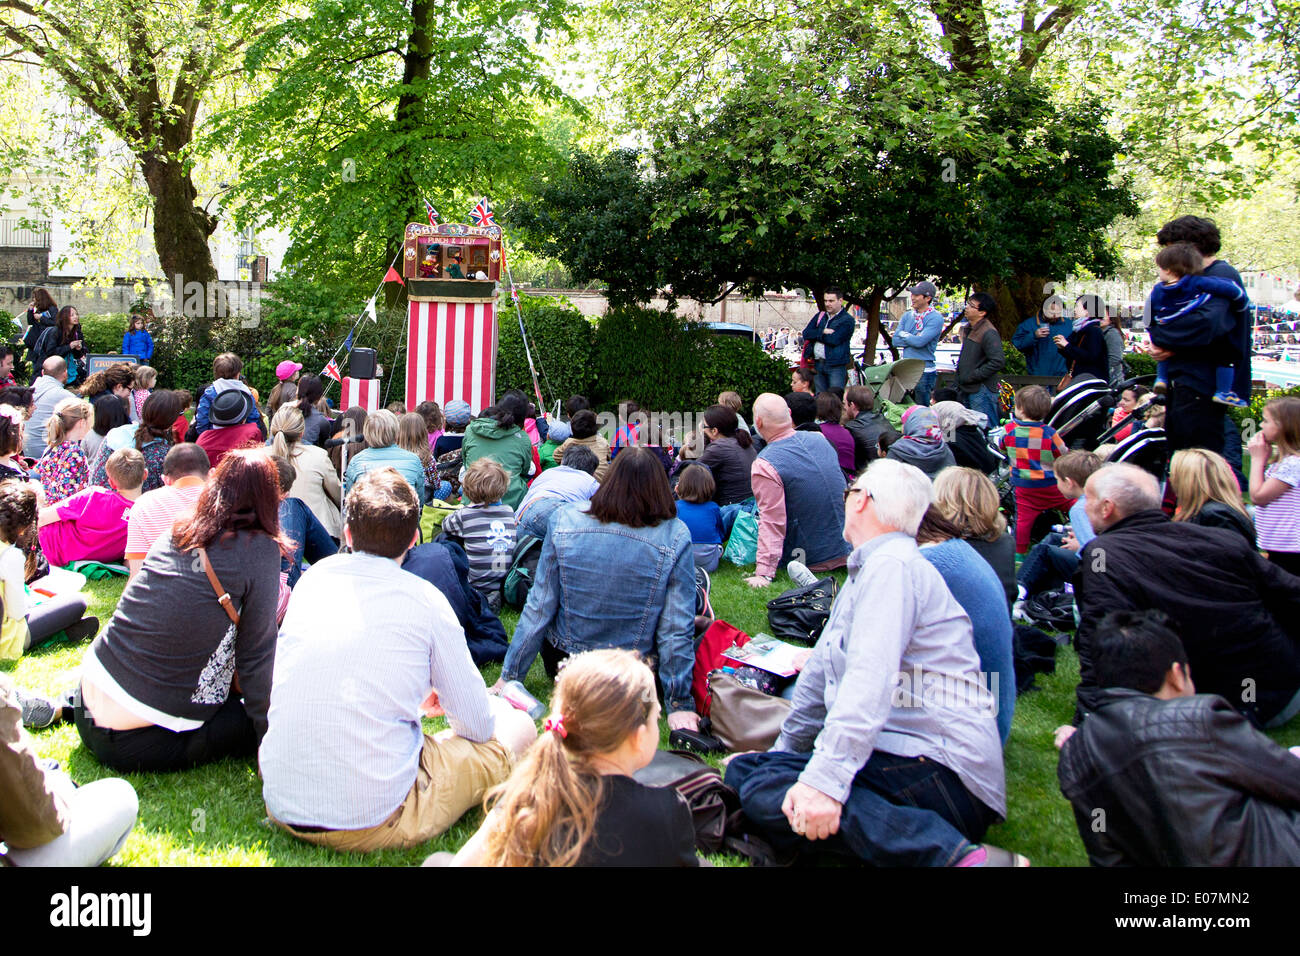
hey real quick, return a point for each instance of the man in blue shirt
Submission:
(918, 332)
(1034, 338)
(829, 333)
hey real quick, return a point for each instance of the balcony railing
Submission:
(15, 235)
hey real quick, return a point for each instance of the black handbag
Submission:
(800, 614)
(715, 807)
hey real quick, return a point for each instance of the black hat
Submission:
(231, 407)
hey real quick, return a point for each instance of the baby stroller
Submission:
(1079, 412)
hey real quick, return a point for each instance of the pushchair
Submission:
(1079, 410)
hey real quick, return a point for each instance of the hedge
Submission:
(560, 339)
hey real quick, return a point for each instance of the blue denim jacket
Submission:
(609, 585)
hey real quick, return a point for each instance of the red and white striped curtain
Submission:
(360, 391)
(451, 353)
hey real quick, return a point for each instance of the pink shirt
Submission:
(769, 495)
(91, 527)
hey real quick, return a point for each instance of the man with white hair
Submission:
(798, 486)
(1237, 614)
(891, 750)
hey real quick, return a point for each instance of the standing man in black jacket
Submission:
(1237, 614)
(1222, 336)
(981, 357)
(1162, 776)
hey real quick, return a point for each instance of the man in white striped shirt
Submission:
(345, 762)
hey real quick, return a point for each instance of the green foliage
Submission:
(1139, 364)
(104, 331)
(1016, 364)
(739, 365)
(666, 363)
(762, 197)
(560, 338)
(1255, 413)
(373, 106)
(298, 306)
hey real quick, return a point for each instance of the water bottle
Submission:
(517, 697)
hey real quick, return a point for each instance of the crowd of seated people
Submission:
(262, 566)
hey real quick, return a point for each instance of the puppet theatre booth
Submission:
(451, 272)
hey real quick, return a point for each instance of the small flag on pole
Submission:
(482, 213)
(332, 371)
(370, 309)
(433, 213)
(347, 343)
(392, 276)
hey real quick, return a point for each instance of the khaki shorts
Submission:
(453, 777)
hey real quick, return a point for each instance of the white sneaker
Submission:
(800, 574)
(1018, 613)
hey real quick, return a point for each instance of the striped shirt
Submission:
(1032, 447)
(1277, 524)
(155, 511)
(487, 533)
(343, 747)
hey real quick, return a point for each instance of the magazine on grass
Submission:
(767, 653)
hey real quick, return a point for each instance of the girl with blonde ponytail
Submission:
(572, 801)
(315, 480)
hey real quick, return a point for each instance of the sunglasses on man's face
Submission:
(853, 491)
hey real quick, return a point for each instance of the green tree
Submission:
(146, 72)
(870, 213)
(373, 106)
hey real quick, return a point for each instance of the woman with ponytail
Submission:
(316, 481)
(63, 469)
(572, 801)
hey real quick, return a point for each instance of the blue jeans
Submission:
(925, 387)
(729, 513)
(985, 400)
(901, 811)
(1047, 565)
(826, 377)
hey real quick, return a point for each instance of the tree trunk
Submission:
(180, 233)
(874, 329)
(417, 62)
(1018, 298)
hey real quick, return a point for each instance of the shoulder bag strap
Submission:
(223, 596)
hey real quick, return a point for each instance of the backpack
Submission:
(523, 571)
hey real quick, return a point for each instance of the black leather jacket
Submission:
(1183, 782)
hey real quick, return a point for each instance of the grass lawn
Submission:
(214, 816)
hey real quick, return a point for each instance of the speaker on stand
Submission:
(361, 363)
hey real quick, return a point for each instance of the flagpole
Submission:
(514, 296)
(364, 313)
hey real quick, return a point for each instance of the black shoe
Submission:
(86, 627)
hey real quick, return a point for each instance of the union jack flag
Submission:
(482, 213)
(332, 371)
(433, 213)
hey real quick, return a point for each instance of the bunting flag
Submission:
(370, 309)
(360, 391)
(451, 352)
(347, 343)
(392, 276)
(331, 370)
(433, 213)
